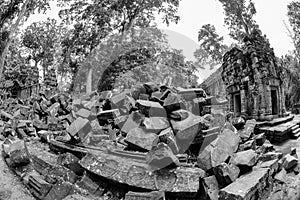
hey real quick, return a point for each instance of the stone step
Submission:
(296, 133)
(295, 127)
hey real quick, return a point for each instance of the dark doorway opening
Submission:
(237, 103)
(274, 102)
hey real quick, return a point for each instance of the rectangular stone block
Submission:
(59, 191)
(247, 187)
(80, 127)
(38, 186)
(89, 185)
(157, 195)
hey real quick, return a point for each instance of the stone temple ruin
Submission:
(254, 82)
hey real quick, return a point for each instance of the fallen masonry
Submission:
(148, 144)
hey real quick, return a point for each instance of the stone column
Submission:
(231, 106)
(243, 100)
(268, 100)
(255, 105)
(281, 101)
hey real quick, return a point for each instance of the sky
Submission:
(271, 15)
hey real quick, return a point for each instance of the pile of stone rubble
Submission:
(169, 128)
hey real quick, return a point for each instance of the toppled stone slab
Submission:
(173, 102)
(273, 165)
(161, 156)
(133, 121)
(247, 158)
(281, 176)
(270, 156)
(186, 130)
(80, 127)
(156, 195)
(136, 172)
(70, 161)
(212, 187)
(151, 108)
(156, 124)
(167, 136)
(60, 190)
(38, 186)
(260, 139)
(250, 144)
(289, 162)
(247, 187)
(141, 139)
(219, 150)
(89, 185)
(248, 129)
(16, 151)
(226, 174)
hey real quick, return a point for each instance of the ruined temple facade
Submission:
(254, 80)
(214, 85)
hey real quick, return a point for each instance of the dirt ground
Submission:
(11, 187)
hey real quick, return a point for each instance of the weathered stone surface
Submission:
(70, 161)
(95, 140)
(250, 144)
(281, 176)
(80, 127)
(226, 173)
(156, 195)
(135, 172)
(191, 93)
(167, 136)
(161, 156)
(212, 187)
(186, 130)
(107, 116)
(53, 109)
(151, 108)
(84, 113)
(16, 151)
(144, 140)
(239, 122)
(247, 158)
(133, 121)
(246, 187)
(273, 165)
(248, 129)
(156, 124)
(289, 162)
(179, 115)
(218, 120)
(266, 147)
(89, 185)
(77, 197)
(173, 102)
(37, 186)
(270, 156)
(59, 191)
(260, 139)
(219, 150)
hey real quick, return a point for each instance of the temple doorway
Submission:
(274, 102)
(237, 103)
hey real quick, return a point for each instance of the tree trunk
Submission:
(89, 80)
(11, 34)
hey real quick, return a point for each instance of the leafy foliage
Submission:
(12, 14)
(42, 38)
(211, 47)
(239, 18)
(93, 22)
(294, 14)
